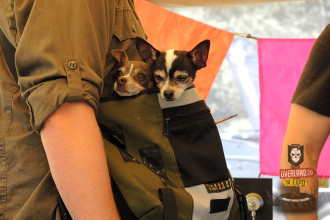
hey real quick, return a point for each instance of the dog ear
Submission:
(146, 51)
(200, 53)
(120, 55)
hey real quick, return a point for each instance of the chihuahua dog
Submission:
(131, 77)
(174, 70)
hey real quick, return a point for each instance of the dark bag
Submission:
(166, 158)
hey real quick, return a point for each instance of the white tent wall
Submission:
(290, 19)
(178, 3)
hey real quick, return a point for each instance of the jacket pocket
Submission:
(196, 143)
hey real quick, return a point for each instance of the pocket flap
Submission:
(127, 25)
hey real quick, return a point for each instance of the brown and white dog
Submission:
(131, 77)
(174, 70)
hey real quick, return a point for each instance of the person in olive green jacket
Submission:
(50, 144)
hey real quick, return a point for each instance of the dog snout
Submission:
(169, 95)
(121, 80)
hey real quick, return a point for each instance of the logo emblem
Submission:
(300, 182)
(295, 154)
(297, 173)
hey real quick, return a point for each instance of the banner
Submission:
(281, 62)
(168, 30)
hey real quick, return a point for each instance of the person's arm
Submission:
(76, 156)
(308, 128)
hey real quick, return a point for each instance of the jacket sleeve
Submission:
(61, 52)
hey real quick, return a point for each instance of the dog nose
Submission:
(168, 95)
(122, 80)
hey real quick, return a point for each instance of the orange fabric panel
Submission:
(168, 30)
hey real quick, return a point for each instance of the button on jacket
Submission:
(62, 54)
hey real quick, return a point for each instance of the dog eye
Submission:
(182, 78)
(119, 73)
(159, 78)
(141, 76)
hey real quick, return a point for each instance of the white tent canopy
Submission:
(178, 3)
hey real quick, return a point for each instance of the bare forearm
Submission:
(310, 129)
(75, 152)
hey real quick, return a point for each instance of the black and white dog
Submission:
(174, 70)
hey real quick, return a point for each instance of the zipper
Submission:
(165, 127)
(169, 119)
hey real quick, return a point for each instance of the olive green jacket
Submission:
(62, 54)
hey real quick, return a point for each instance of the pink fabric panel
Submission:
(281, 62)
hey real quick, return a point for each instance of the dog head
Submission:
(131, 77)
(173, 70)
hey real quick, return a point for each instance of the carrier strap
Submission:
(63, 210)
(166, 195)
(243, 208)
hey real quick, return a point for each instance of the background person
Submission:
(309, 120)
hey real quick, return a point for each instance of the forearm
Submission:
(310, 129)
(75, 152)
